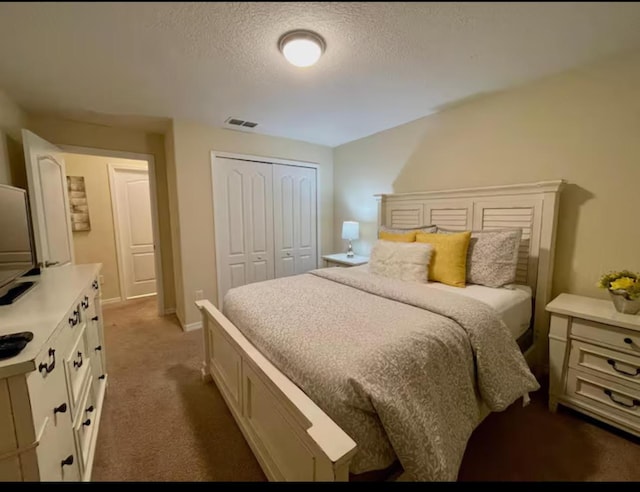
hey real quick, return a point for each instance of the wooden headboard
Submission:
(533, 207)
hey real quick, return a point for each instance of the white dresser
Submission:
(51, 393)
(594, 360)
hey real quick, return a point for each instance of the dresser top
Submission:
(42, 308)
(599, 310)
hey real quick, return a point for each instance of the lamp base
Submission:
(349, 251)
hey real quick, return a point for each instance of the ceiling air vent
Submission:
(235, 122)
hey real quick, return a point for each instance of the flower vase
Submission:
(624, 305)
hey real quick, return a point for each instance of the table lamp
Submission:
(350, 230)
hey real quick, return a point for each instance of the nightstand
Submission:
(342, 260)
(594, 360)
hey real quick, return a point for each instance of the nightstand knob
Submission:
(634, 403)
(612, 363)
(288, 254)
(628, 340)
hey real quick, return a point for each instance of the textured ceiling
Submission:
(385, 63)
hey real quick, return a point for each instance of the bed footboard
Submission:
(292, 438)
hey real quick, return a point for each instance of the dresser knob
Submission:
(67, 461)
(61, 409)
(99, 347)
(87, 422)
(95, 318)
(628, 340)
(90, 409)
(78, 363)
(101, 377)
(48, 367)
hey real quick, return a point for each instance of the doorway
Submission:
(121, 230)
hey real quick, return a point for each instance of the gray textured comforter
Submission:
(401, 368)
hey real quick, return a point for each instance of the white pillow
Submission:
(402, 261)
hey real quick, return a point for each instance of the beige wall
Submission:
(193, 145)
(172, 188)
(66, 132)
(99, 244)
(582, 125)
(12, 120)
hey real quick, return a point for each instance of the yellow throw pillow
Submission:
(399, 237)
(449, 258)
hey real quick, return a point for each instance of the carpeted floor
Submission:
(161, 423)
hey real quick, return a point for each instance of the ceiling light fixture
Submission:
(301, 48)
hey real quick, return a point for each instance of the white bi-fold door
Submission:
(265, 221)
(243, 196)
(294, 208)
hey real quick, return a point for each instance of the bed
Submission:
(358, 361)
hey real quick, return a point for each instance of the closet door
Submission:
(243, 214)
(294, 210)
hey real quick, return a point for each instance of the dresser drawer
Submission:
(623, 366)
(85, 424)
(47, 387)
(607, 334)
(76, 364)
(614, 401)
(57, 459)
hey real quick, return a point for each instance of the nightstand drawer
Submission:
(612, 400)
(339, 265)
(624, 366)
(607, 334)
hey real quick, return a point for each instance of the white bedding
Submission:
(513, 304)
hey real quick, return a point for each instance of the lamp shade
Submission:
(350, 230)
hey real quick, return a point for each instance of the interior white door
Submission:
(48, 200)
(134, 232)
(243, 214)
(294, 209)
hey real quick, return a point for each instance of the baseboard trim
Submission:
(192, 326)
(113, 300)
(141, 296)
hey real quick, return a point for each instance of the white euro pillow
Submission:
(402, 261)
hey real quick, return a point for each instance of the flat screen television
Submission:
(17, 255)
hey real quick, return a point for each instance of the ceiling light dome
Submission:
(301, 48)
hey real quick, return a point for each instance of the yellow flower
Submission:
(622, 283)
